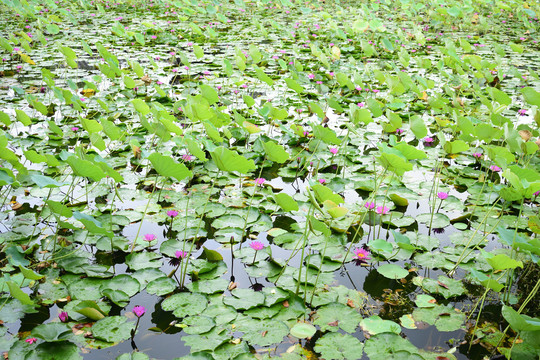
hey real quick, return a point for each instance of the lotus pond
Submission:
(204, 179)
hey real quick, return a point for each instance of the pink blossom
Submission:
(383, 210)
(139, 311)
(369, 205)
(149, 237)
(63, 316)
(180, 254)
(361, 254)
(256, 245)
(442, 195)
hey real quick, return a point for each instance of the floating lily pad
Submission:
(264, 332)
(335, 346)
(161, 286)
(375, 325)
(113, 329)
(332, 317)
(198, 324)
(244, 299)
(392, 271)
(303, 330)
(184, 304)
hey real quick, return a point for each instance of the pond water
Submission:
(269, 179)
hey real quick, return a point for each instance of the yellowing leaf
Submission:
(336, 53)
(26, 58)
(88, 92)
(251, 128)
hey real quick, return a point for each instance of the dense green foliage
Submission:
(307, 179)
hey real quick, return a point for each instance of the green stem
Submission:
(294, 252)
(144, 214)
(184, 271)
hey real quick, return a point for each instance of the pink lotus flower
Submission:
(442, 195)
(495, 168)
(31, 340)
(334, 151)
(180, 254)
(361, 254)
(522, 112)
(399, 131)
(369, 205)
(256, 245)
(63, 316)
(383, 210)
(322, 181)
(74, 128)
(311, 76)
(139, 311)
(259, 181)
(172, 213)
(477, 155)
(149, 237)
